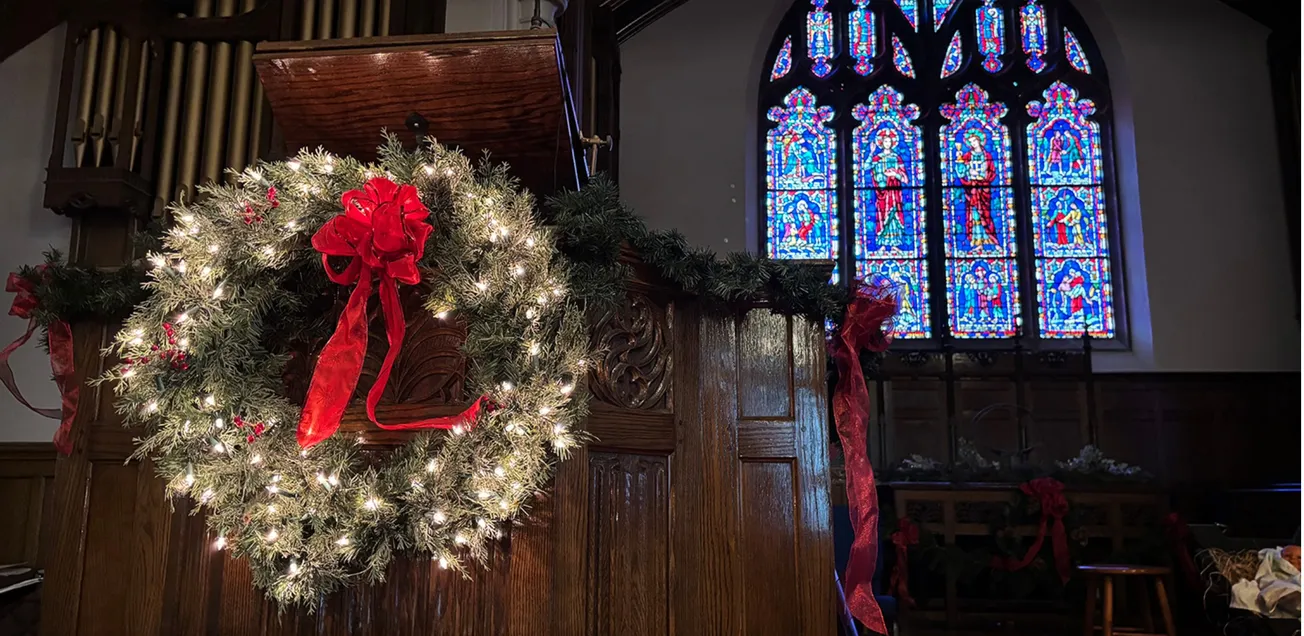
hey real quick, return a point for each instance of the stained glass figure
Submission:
(1073, 50)
(1032, 26)
(951, 63)
(1070, 236)
(819, 38)
(864, 45)
(901, 58)
(783, 61)
(911, 10)
(991, 35)
(801, 162)
(983, 298)
(978, 214)
(940, 10)
(910, 280)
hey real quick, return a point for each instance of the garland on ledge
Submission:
(1090, 466)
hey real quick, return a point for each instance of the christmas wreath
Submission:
(254, 266)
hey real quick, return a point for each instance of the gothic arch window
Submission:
(959, 149)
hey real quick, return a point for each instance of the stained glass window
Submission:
(1020, 249)
(802, 169)
(782, 61)
(860, 27)
(991, 35)
(951, 63)
(1069, 224)
(901, 59)
(940, 9)
(911, 10)
(891, 243)
(1032, 26)
(819, 38)
(1073, 50)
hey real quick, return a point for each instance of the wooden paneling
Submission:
(629, 559)
(26, 477)
(769, 527)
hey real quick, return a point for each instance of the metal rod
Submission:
(90, 61)
(327, 21)
(384, 16)
(196, 79)
(218, 101)
(138, 116)
(256, 125)
(104, 94)
(114, 120)
(171, 122)
(348, 18)
(236, 154)
(308, 19)
(368, 18)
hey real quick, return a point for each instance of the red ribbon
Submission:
(907, 534)
(383, 231)
(1049, 493)
(862, 328)
(61, 361)
(1178, 535)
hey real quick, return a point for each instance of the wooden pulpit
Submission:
(701, 507)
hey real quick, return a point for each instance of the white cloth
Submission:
(1275, 590)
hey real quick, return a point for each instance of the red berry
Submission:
(250, 439)
(259, 428)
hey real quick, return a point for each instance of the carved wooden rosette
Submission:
(634, 365)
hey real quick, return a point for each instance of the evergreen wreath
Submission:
(238, 280)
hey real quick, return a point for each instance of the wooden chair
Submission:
(1102, 577)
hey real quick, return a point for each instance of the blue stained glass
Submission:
(801, 172)
(951, 63)
(1070, 232)
(910, 280)
(978, 206)
(911, 10)
(1032, 24)
(901, 59)
(819, 38)
(783, 61)
(991, 35)
(864, 44)
(983, 298)
(940, 9)
(1073, 49)
(1074, 295)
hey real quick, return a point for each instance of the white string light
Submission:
(218, 291)
(438, 517)
(371, 504)
(219, 543)
(272, 535)
(443, 563)
(293, 164)
(256, 459)
(432, 466)
(342, 541)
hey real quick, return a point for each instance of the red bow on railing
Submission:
(1049, 493)
(862, 328)
(1178, 534)
(61, 361)
(383, 230)
(907, 534)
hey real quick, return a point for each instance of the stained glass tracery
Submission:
(802, 168)
(954, 50)
(891, 243)
(1073, 51)
(991, 35)
(1069, 222)
(1032, 27)
(901, 58)
(819, 38)
(910, 8)
(940, 10)
(782, 61)
(860, 28)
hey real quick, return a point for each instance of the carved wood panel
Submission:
(635, 361)
(629, 553)
(430, 369)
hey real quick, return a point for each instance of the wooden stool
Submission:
(1101, 577)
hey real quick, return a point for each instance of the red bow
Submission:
(383, 230)
(907, 534)
(862, 328)
(1049, 494)
(1177, 533)
(61, 360)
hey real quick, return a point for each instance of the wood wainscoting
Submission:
(26, 476)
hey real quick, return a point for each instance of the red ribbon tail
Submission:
(1012, 566)
(395, 328)
(336, 375)
(61, 362)
(901, 575)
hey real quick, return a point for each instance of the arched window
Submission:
(957, 148)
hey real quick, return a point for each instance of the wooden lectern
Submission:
(701, 508)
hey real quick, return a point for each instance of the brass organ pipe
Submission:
(348, 18)
(138, 117)
(324, 25)
(256, 124)
(309, 19)
(113, 122)
(84, 99)
(384, 17)
(104, 94)
(240, 105)
(196, 77)
(218, 96)
(368, 18)
(171, 121)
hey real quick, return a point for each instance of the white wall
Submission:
(29, 86)
(1206, 258)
